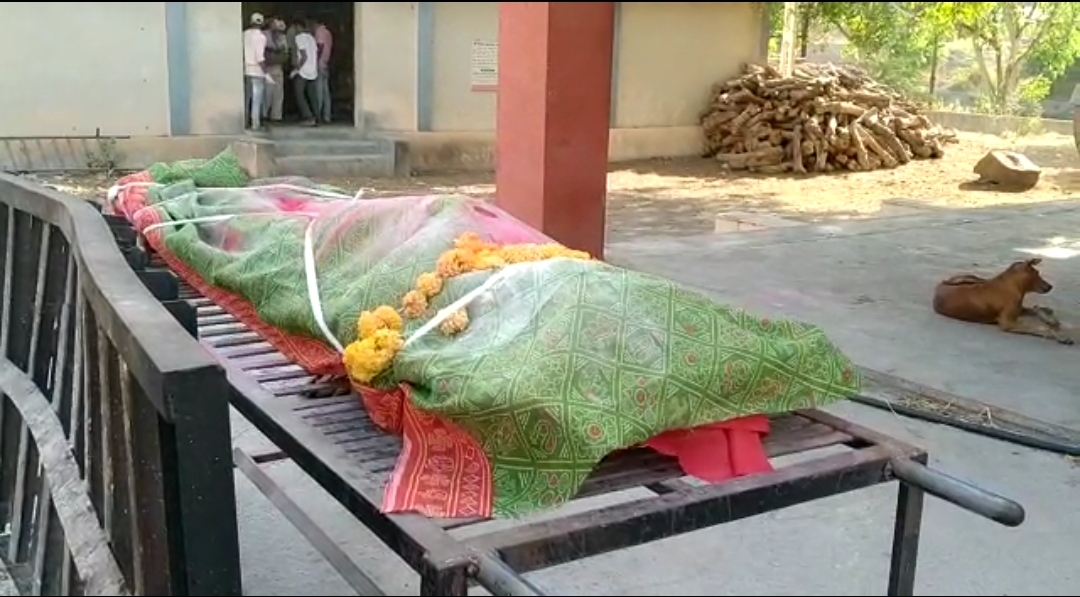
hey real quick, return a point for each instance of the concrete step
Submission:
(331, 166)
(337, 147)
(314, 133)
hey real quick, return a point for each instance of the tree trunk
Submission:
(787, 39)
(934, 64)
(804, 33)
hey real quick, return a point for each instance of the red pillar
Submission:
(553, 115)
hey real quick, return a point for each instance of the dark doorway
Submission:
(339, 19)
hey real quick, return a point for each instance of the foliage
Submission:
(889, 39)
(1019, 47)
(1031, 92)
(1008, 38)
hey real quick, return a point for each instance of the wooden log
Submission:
(821, 118)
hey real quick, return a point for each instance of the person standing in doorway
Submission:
(254, 71)
(277, 58)
(305, 76)
(325, 41)
(296, 24)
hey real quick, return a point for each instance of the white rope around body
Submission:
(325, 194)
(314, 297)
(201, 220)
(114, 190)
(464, 301)
(310, 270)
(310, 273)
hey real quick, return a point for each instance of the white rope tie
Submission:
(467, 299)
(310, 272)
(114, 190)
(314, 297)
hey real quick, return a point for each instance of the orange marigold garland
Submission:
(379, 336)
(378, 342)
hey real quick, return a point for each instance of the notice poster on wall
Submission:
(485, 65)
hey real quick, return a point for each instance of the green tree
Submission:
(1018, 47)
(896, 42)
(1008, 39)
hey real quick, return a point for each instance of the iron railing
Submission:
(115, 464)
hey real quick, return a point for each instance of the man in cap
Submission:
(255, 76)
(277, 57)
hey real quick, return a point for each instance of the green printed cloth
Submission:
(569, 360)
(563, 362)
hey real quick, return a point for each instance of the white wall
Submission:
(455, 107)
(216, 54)
(387, 64)
(73, 68)
(110, 72)
(669, 55)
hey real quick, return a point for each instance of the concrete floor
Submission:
(868, 284)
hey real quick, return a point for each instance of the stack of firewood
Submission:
(823, 118)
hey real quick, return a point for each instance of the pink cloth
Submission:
(326, 43)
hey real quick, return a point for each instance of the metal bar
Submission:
(969, 497)
(905, 548)
(135, 323)
(128, 467)
(335, 556)
(204, 543)
(9, 271)
(68, 577)
(48, 535)
(863, 435)
(576, 536)
(62, 137)
(450, 580)
(893, 389)
(108, 384)
(85, 538)
(268, 456)
(414, 537)
(1030, 440)
(19, 518)
(501, 580)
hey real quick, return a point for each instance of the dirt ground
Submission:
(686, 195)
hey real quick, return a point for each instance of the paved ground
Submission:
(867, 283)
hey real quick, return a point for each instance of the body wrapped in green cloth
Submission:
(563, 361)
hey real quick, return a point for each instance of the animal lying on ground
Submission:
(1000, 300)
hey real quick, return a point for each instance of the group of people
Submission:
(275, 54)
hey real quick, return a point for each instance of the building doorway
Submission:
(339, 18)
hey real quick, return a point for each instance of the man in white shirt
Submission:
(306, 74)
(254, 70)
